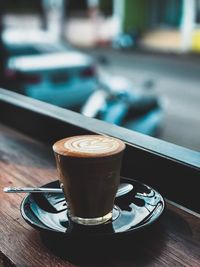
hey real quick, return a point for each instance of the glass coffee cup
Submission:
(89, 173)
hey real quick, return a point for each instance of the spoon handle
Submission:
(123, 189)
(32, 190)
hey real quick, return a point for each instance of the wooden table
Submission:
(27, 162)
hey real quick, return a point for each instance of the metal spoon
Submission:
(123, 189)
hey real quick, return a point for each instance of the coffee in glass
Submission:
(89, 172)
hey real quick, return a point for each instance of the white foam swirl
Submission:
(93, 144)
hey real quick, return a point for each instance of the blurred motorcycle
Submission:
(118, 103)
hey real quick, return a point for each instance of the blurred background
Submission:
(134, 63)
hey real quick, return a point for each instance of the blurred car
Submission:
(43, 68)
(126, 40)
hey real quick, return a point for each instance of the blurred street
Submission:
(176, 79)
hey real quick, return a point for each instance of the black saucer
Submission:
(132, 212)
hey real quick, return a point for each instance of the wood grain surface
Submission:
(26, 162)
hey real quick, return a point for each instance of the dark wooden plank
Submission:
(22, 162)
(25, 161)
(171, 169)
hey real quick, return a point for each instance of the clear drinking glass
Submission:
(89, 172)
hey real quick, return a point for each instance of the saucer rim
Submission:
(129, 231)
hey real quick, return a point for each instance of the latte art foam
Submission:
(89, 145)
(92, 144)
